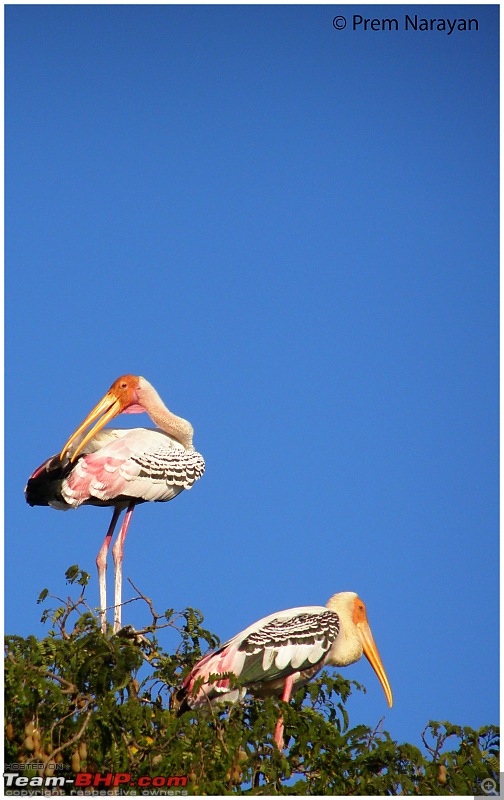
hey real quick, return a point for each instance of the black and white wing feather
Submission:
(287, 642)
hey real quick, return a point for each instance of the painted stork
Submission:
(120, 468)
(283, 651)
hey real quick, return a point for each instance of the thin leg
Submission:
(117, 553)
(101, 563)
(279, 727)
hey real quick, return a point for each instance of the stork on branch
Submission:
(120, 468)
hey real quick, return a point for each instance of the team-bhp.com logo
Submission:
(84, 783)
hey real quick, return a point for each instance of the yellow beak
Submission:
(110, 406)
(373, 656)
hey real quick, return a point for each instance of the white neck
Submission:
(179, 428)
(347, 647)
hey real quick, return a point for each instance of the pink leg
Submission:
(101, 563)
(279, 727)
(117, 553)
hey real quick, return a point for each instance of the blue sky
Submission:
(292, 232)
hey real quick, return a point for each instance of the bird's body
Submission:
(283, 651)
(119, 467)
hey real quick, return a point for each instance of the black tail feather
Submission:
(178, 702)
(44, 486)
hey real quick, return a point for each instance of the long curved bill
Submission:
(373, 656)
(110, 406)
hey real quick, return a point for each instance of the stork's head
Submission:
(355, 637)
(121, 397)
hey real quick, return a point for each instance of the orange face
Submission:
(359, 612)
(125, 386)
(121, 394)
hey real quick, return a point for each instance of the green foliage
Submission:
(94, 703)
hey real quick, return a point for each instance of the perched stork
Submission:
(120, 468)
(283, 651)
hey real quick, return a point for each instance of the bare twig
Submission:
(374, 733)
(71, 741)
(155, 616)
